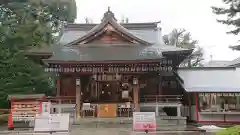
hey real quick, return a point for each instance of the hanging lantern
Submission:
(94, 77)
(78, 70)
(135, 81)
(78, 82)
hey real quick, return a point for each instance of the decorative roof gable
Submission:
(109, 31)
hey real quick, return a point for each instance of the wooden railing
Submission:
(146, 98)
(162, 98)
(72, 100)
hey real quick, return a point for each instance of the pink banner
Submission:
(144, 127)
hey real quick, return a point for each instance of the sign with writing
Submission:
(165, 65)
(25, 110)
(52, 123)
(144, 121)
(110, 70)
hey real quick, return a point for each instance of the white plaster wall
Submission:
(210, 117)
(233, 117)
(211, 79)
(219, 117)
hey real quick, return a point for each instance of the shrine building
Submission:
(118, 65)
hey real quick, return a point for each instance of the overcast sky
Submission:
(193, 15)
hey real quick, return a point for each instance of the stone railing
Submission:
(162, 98)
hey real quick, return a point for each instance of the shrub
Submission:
(3, 118)
(235, 130)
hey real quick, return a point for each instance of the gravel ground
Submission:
(105, 131)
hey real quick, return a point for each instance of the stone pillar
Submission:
(59, 109)
(78, 98)
(157, 110)
(159, 93)
(136, 95)
(178, 111)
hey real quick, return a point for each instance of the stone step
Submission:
(100, 121)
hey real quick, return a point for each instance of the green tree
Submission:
(63, 9)
(231, 11)
(181, 38)
(235, 130)
(23, 25)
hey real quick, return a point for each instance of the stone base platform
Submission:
(121, 120)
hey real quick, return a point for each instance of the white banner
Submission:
(144, 121)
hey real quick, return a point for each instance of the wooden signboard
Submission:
(107, 110)
(25, 107)
(25, 111)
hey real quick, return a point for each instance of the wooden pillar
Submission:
(78, 98)
(136, 94)
(157, 110)
(58, 85)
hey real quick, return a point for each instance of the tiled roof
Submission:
(220, 63)
(235, 47)
(110, 53)
(26, 96)
(235, 62)
(151, 35)
(217, 63)
(148, 34)
(214, 79)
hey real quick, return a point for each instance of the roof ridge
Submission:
(88, 26)
(137, 23)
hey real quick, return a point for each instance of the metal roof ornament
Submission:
(108, 15)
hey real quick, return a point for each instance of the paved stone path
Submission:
(106, 131)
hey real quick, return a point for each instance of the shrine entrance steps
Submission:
(124, 122)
